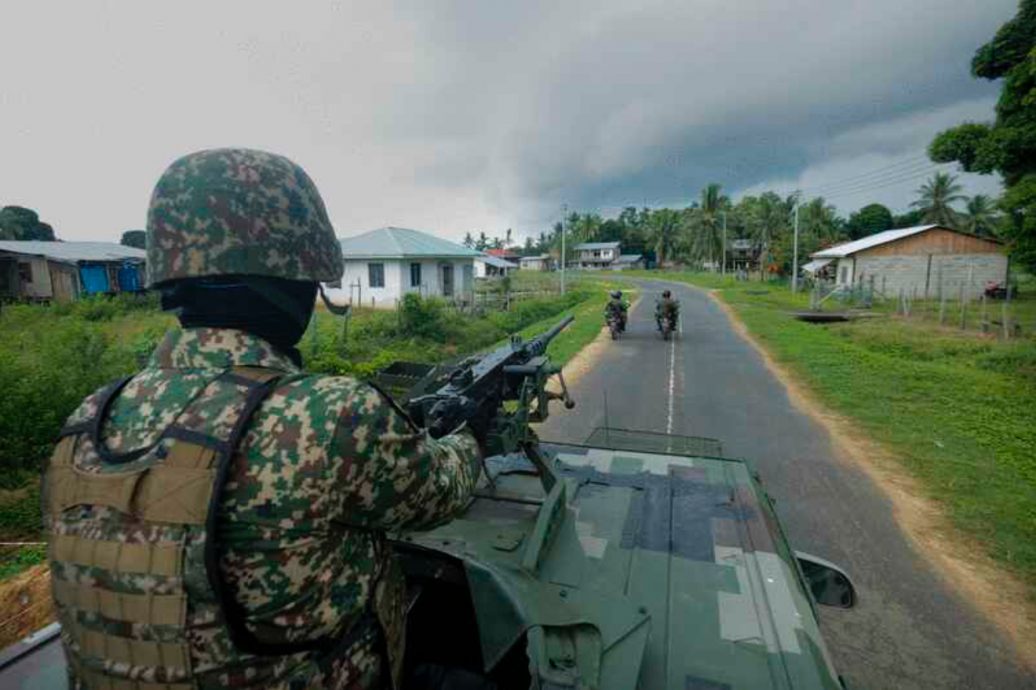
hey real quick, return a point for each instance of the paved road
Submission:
(909, 630)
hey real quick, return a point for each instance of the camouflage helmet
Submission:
(239, 212)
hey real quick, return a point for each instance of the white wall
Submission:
(844, 271)
(397, 280)
(948, 273)
(384, 297)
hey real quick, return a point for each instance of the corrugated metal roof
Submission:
(398, 243)
(495, 261)
(541, 257)
(627, 258)
(842, 250)
(596, 245)
(73, 252)
(815, 265)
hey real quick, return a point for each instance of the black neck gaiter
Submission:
(274, 309)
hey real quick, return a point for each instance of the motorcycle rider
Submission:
(617, 306)
(667, 308)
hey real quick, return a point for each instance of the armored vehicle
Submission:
(637, 560)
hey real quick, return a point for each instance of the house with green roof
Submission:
(384, 264)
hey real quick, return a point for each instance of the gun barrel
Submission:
(538, 345)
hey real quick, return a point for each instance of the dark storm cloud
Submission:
(457, 116)
(602, 106)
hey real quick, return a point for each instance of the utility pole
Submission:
(564, 214)
(795, 252)
(723, 268)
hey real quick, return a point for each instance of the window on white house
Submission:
(415, 275)
(376, 275)
(845, 275)
(25, 272)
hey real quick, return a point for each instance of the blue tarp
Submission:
(94, 278)
(129, 278)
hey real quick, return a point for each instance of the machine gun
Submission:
(505, 390)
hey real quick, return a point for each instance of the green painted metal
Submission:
(597, 606)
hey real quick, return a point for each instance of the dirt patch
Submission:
(25, 604)
(997, 595)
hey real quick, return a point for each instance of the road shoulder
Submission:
(995, 594)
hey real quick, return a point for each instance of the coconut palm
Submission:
(819, 219)
(706, 224)
(664, 233)
(771, 218)
(937, 197)
(980, 216)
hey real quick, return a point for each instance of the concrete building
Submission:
(63, 271)
(488, 266)
(927, 261)
(384, 264)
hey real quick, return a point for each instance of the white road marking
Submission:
(672, 377)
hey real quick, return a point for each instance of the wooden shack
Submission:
(926, 261)
(38, 271)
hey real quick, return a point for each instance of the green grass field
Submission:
(958, 409)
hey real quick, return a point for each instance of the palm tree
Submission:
(663, 232)
(819, 219)
(771, 218)
(980, 216)
(937, 197)
(707, 224)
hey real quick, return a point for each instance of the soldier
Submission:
(666, 308)
(218, 520)
(618, 306)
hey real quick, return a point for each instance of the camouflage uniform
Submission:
(666, 308)
(243, 544)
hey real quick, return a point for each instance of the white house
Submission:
(384, 264)
(926, 261)
(595, 254)
(487, 266)
(541, 262)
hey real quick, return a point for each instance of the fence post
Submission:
(942, 309)
(963, 313)
(1006, 312)
(985, 315)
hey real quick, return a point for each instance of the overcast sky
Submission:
(466, 116)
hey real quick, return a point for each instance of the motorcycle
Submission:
(667, 324)
(615, 326)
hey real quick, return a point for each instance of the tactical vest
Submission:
(134, 563)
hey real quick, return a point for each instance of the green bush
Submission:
(53, 357)
(422, 317)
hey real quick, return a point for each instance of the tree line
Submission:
(694, 235)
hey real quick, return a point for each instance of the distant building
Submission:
(541, 262)
(384, 264)
(511, 254)
(743, 255)
(63, 271)
(594, 255)
(627, 261)
(926, 261)
(488, 266)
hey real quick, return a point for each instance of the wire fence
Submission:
(993, 311)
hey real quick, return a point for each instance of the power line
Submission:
(886, 183)
(876, 176)
(884, 169)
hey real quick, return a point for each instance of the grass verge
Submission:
(958, 410)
